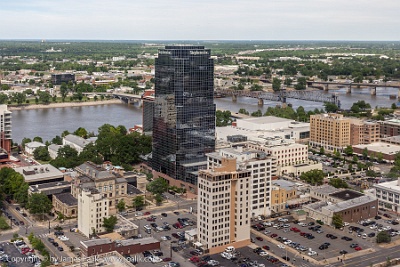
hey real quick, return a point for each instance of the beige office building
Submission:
(261, 167)
(224, 206)
(93, 207)
(330, 131)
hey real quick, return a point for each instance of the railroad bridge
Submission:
(281, 96)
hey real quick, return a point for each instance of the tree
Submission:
(57, 140)
(301, 83)
(3, 98)
(337, 220)
(276, 84)
(66, 157)
(38, 139)
(338, 183)
(348, 150)
(394, 106)
(365, 153)
(243, 111)
(313, 177)
(81, 132)
(322, 150)
(288, 81)
(158, 199)
(65, 133)
(41, 153)
(109, 223)
(158, 186)
(39, 204)
(223, 118)
(331, 107)
(44, 97)
(257, 113)
(25, 141)
(138, 202)
(20, 98)
(3, 224)
(63, 91)
(383, 237)
(121, 205)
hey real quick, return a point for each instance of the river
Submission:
(47, 123)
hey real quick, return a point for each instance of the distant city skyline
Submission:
(200, 20)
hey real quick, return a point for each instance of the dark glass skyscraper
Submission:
(184, 111)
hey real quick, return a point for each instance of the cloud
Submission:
(192, 19)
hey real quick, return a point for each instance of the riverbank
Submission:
(65, 104)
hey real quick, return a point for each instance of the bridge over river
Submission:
(350, 85)
(281, 96)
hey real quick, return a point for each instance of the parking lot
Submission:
(303, 240)
(169, 247)
(15, 257)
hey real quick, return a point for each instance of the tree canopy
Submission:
(158, 186)
(337, 220)
(313, 177)
(39, 204)
(338, 183)
(109, 223)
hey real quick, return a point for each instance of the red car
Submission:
(194, 259)
(146, 213)
(265, 247)
(294, 229)
(259, 238)
(302, 233)
(166, 259)
(274, 235)
(150, 219)
(358, 248)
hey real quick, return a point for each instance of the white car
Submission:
(154, 259)
(282, 220)
(312, 253)
(164, 238)
(287, 242)
(213, 262)
(267, 232)
(346, 224)
(281, 246)
(263, 253)
(63, 238)
(226, 255)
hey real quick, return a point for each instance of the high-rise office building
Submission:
(5, 133)
(184, 113)
(224, 206)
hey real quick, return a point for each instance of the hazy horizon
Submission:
(357, 20)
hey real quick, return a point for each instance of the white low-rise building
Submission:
(77, 142)
(31, 146)
(388, 195)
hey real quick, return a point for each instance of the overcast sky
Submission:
(200, 19)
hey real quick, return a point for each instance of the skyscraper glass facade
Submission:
(184, 111)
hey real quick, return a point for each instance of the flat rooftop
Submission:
(390, 186)
(267, 119)
(37, 173)
(348, 204)
(325, 189)
(384, 148)
(347, 194)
